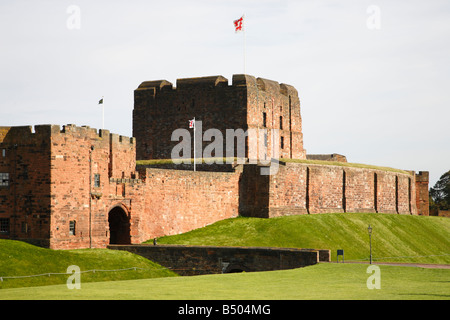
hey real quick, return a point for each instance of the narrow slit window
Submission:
(72, 225)
(97, 181)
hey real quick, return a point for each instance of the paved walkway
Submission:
(419, 265)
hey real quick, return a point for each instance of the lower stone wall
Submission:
(440, 213)
(196, 260)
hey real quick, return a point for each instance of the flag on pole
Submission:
(103, 112)
(238, 27)
(192, 126)
(239, 24)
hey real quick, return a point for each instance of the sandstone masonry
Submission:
(249, 103)
(76, 187)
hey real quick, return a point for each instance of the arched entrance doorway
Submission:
(119, 226)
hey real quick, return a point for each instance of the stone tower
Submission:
(248, 103)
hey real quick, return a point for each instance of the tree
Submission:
(440, 193)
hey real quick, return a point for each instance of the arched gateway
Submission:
(119, 226)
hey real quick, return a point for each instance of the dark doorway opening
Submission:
(236, 268)
(119, 226)
(235, 271)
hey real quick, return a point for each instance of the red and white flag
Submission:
(239, 24)
(192, 123)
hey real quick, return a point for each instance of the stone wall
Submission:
(196, 260)
(64, 182)
(442, 213)
(25, 201)
(75, 188)
(177, 201)
(271, 106)
(422, 193)
(301, 188)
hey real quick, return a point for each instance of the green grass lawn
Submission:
(395, 238)
(328, 281)
(21, 259)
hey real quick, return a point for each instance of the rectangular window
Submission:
(3, 153)
(282, 142)
(4, 179)
(96, 180)
(25, 172)
(4, 226)
(281, 122)
(72, 227)
(264, 119)
(24, 227)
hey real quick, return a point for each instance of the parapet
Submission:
(210, 82)
(275, 87)
(115, 138)
(240, 80)
(22, 134)
(423, 176)
(218, 81)
(101, 134)
(159, 85)
(327, 157)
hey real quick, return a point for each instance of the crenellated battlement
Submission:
(27, 134)
(88, 132)
(210, 82)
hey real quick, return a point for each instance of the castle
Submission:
(76, 187)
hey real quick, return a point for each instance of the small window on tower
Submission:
(97, 181)
(25, 227)
(4, 179)
(72, 225)
(281, 122)
(3, 153)
(282, 143)
(4, 226)
(264, 119)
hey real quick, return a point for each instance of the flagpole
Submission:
(103, 114)
(194, 143)
(243, 29)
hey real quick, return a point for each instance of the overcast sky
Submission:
(373, 76)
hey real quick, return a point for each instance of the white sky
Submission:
(379, 96)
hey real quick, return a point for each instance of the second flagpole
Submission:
(194, 143)
(103, 114)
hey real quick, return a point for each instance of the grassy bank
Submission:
(395, 238)
(21, 259)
